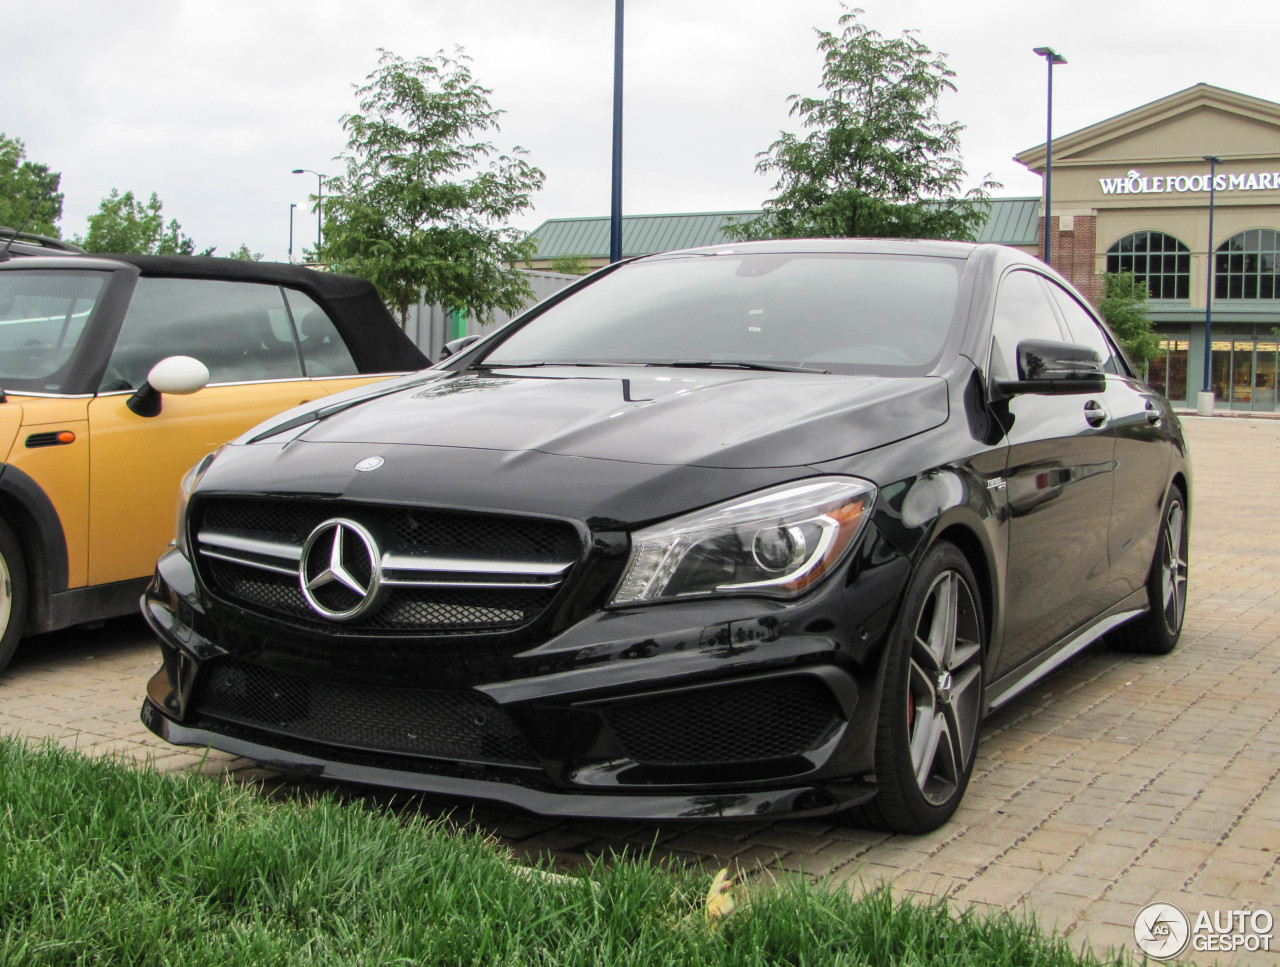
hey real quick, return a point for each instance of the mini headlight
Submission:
(777, 542)
(188, 484)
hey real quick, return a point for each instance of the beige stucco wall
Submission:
(1169, 138)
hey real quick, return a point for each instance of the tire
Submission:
(13, 594)
(927, 733)
(1157, 631)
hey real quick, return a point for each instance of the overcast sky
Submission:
(211, 103)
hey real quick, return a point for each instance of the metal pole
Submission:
(292, 206)
(615, 210)
(1048, 168)
(1051, 58)
(1214, 161)
(319, 204)
(319, 213)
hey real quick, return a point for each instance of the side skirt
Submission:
(1013, 683)
(94, 603)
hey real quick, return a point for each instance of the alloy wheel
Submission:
(944, 687)
(1173, 566)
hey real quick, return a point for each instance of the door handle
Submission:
(1153, 413)
(1094, 414)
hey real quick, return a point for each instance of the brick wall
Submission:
(1072, 253)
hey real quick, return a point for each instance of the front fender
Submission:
(28, 510)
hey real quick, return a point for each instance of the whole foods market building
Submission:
(1132, 194)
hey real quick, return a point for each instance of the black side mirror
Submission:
(1055, 369)
(455, 346)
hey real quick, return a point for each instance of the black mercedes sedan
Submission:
(738, 531)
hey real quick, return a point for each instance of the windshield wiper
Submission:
(737, 364)
(555, 362)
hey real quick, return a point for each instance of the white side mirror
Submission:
(181, 375)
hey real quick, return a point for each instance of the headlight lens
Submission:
(188, 484)
(777, 542)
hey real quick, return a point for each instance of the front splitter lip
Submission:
(746, 804)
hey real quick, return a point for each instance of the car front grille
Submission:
(458, 726)
(437, 572)
(743, 722)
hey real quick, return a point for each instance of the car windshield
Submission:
(840, 313)
(42, 317)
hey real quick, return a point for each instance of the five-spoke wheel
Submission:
(932, 701)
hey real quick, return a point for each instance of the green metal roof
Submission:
(1012, 221)
(641, 234)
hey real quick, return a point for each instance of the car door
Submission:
(1135, 416)
(244, 333)
(1058, 478)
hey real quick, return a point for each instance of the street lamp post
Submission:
(292, 206)
(615, 207)
(320, 177)
(1204, 404)
(1051, 57)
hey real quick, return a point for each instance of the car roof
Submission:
(14, 243)
(858, 246)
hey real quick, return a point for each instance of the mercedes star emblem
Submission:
(369, 463)
(341, 570)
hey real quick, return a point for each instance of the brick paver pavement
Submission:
(1117, 781)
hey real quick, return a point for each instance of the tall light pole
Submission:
(1204, 405)
(320, 177)
(1051, 57)
(615, 208)
(292, 206)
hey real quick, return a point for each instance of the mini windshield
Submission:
(843, 313)
(42, 317)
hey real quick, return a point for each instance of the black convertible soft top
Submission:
(377, 342)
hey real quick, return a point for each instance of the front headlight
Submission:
(188, 484)
(777, 542)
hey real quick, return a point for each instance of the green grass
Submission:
(103, 863)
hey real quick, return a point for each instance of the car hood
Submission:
(669, 417)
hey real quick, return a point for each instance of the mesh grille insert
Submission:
(408, 721)
(401, 531)
(730, 723)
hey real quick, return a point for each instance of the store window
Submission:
(1167, 372)
(1247, 266)
(1160, 260)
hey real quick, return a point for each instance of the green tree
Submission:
(420, 209)
(1124, 306)
(570, 265)
(878, 161)
(125, 224)
(29, 197)
(243, 254)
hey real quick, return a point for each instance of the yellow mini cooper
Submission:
(117, 373)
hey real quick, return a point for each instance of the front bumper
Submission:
(735, 708)
(797, 801)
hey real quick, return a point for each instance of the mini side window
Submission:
(226, 325)
(323, 351)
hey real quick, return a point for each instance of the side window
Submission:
(225, 325)
(1085, 330)
(323, 351)
(1023, 311)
